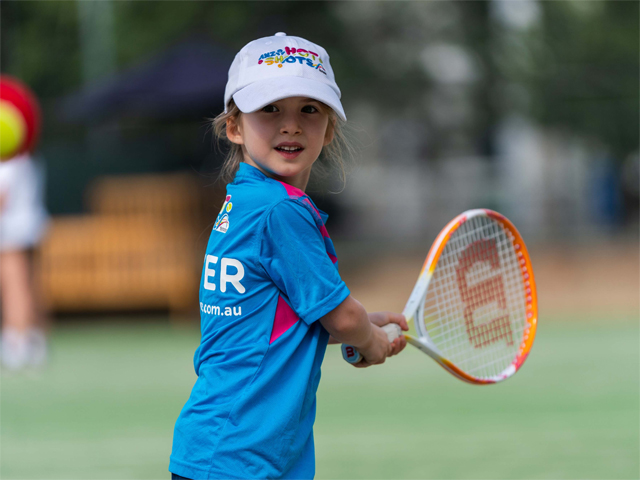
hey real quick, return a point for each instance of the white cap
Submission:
(277, 67)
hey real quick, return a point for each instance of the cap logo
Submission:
(292, 55)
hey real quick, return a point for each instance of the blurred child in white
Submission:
(271, 295)
(23, 221)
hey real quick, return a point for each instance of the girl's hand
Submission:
(383, 318)
(376, 350)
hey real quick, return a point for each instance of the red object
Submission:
(17, 93)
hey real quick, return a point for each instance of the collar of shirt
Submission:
(248, 171)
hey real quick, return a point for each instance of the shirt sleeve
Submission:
(293, 254)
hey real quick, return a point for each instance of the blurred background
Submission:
(527, 107)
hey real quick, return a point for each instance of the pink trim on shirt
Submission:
(293, 191)
(285, 318)
(323, 231)
(308, 202)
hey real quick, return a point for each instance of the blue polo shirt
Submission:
(270, 272)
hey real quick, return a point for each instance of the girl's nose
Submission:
(290, 126)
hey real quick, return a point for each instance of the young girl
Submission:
(271, 295)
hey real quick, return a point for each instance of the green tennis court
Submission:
(106, 405)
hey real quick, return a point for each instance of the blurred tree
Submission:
(39, 44)
(578, 69)
(443, 70)
(579, 61)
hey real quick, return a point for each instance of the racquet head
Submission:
(475, 304)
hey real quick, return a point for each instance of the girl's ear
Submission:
(233, 131)
(328, 135)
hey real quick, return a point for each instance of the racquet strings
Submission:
(474, 310)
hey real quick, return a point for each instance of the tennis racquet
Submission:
(474, 305)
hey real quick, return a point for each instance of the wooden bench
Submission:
(141, 247)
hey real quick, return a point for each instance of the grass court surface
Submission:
(105, 408)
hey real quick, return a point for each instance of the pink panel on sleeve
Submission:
(294, 192)
(285, 319)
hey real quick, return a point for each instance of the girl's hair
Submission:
(334, 157)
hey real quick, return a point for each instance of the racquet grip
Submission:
(351, 355)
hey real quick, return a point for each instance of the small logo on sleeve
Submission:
(222, 222)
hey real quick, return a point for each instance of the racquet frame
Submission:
(415, 305)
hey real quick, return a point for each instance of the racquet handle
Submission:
(351, 355)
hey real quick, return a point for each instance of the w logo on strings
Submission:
(483, 293)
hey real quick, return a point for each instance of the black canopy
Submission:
(185, 80)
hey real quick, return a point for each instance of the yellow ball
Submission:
(13, 131)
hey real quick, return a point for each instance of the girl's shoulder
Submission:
(266, 196)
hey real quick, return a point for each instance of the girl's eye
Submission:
(309, 109)
(270, 108)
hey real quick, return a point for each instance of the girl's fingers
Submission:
(397, 346)
(361, 364)
(399, 319)
(403, 343)
(383, 318)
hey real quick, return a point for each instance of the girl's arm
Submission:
(350, 323)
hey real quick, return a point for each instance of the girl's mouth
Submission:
(289, 151)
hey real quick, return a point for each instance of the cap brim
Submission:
(258, 94)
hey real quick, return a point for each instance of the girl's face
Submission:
(284, 138)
